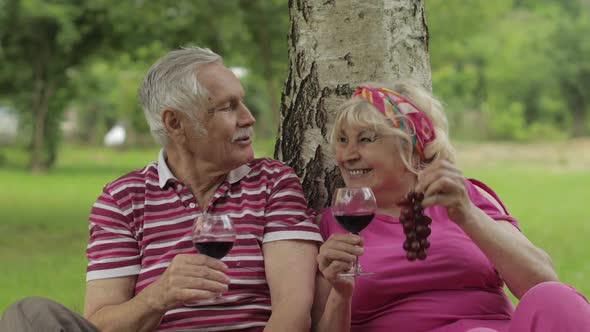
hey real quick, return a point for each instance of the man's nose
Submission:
(246, 119)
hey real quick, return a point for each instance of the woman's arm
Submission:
(333, 297)
(521, 264)
(331, 309)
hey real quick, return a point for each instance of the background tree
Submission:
(40, 42)
(334, 46)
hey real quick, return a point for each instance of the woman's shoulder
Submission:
(488, 201)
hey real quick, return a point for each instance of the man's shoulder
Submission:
(268, 164)
(136, 178)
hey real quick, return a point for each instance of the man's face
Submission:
(227, 143)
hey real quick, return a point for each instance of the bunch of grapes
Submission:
(416, 226)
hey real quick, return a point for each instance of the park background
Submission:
(514, 76)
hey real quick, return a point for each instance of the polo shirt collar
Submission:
(165, 174)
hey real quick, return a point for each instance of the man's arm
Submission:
(290, 267)
(110, 306)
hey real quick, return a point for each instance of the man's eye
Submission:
(227, 108)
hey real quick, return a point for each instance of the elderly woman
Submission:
(395, 141)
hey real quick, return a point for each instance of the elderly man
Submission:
(143, 270)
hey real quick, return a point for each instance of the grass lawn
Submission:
(44, 217)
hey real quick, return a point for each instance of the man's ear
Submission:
(173, 124)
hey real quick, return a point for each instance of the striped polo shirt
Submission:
(144, 218)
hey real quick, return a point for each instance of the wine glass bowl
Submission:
(214, 235)
(354, 208)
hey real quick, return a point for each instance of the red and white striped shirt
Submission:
(144, 218)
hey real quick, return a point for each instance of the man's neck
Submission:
(201, 177)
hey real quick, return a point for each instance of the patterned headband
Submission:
(398, 109)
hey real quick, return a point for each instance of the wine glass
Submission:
(214, 235)
(354, 208)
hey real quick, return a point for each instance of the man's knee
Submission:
(30, 307)
(42, 314)
(23, 314)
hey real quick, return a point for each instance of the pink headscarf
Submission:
(397, 109)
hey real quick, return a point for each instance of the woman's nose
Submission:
(351, 152)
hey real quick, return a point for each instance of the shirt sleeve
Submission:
(484, 201)
(287, 215)
(112, 250)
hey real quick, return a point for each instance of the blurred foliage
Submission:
(506, 69)
(83, 61)
(512, 69)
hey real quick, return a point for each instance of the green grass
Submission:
(549, 205)
(43, 230)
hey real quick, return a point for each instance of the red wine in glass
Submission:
(214, 235)
(216, 250)
(354, 223)
(354, 208)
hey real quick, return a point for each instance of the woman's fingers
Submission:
(340, 247)
(332, 271)
(430, 175)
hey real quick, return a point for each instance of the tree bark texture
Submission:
(334, 45)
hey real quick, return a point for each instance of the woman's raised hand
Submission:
(336, 256)
(444, 184)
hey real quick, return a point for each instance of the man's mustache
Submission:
(243, 133)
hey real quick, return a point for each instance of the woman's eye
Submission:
(342, 139)
(367, 139)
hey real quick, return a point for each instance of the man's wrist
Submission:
(152, 300)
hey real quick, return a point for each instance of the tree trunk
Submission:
(577, 104)
(579, 116)
(40, 107)
(334, 45)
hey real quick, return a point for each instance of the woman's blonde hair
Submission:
(355, 112)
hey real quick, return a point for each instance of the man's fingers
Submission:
(207, 273)
(202, 284)
(189, 295)
(204, 260)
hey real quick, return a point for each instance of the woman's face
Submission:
(367, 159)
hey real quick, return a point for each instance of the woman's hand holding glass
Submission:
(354, 208)
(337, 256)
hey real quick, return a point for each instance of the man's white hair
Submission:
(172, 82)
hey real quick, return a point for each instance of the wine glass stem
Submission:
(356, 269)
